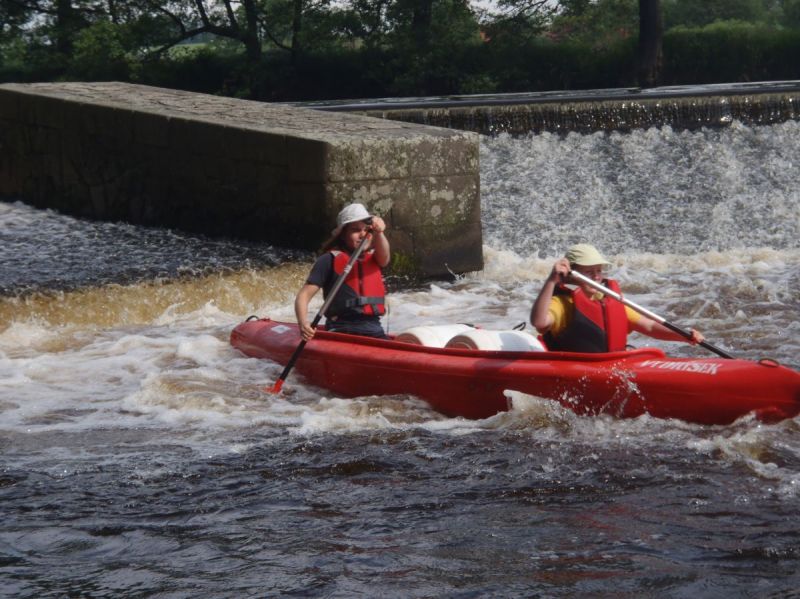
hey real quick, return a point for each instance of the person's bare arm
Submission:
(301, 302)
(541, 318)
(651, 328)
(379, 242)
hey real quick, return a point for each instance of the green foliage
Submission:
(198, 67)
(791, 13)
(13, 17)
(373, 48)
(12, 59)
(727, 51)
(525, 17)
(545, 64)
(451, 22)
(433, 58)
(100, 54)
(27, 60)
(602, 23)
(691, 13)
(575, 8)
(144, 32)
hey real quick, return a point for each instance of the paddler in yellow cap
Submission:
(582, 319)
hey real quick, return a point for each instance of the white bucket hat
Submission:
(584, 254)
(350, 214)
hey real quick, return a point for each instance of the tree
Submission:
(599, 23)
(791, 11)
(422, 12)
(297, 26)
(13, 18)
(58, 21)
(67, 24)
(99, 53)
(236, 20)
(697, 14)
(574, 8)
(524, 17)
(651, 34)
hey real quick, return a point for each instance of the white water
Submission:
(140, 454)
(702, 227)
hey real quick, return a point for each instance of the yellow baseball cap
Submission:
(584, 254)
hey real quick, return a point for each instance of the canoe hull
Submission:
(472, 383)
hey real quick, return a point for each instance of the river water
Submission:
(140, 456)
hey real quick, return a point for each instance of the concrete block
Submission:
(230, 167)
(10, 105)
(256, 146)
(308, 160)
(445, 200)
(413, 156)
(150, 130)
(444, 254)
(43, 111)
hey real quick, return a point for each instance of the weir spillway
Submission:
(587, 111)
(279, 173)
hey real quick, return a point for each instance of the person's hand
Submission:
(378, 226)
(697, 337)
(560, 271)
(306, 331)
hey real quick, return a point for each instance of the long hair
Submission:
(333, 242)
(336, 240)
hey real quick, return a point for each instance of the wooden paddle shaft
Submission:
(331, 295)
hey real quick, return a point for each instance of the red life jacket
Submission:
(363, 291)
(597, 326)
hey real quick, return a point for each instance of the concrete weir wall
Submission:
(228, 167)
(587, 111)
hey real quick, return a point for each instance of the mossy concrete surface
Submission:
(228, 167)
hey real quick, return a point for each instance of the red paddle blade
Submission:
(276, 388)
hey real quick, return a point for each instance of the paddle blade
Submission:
(276, 388)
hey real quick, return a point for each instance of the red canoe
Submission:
(471, 383)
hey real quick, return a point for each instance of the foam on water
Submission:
(657, 191)
(701, 227)
(81, 253)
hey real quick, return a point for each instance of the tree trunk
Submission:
(651, 33)
(297, 25)
(112, 11)
(250, 39)
(421, 22)
(65, 26)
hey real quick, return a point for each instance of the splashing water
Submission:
(656, 191)
(139, 451)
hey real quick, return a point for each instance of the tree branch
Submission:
(231, 15)
(271, 37)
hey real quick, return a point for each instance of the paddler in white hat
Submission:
(360, 301)
(582, 319)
